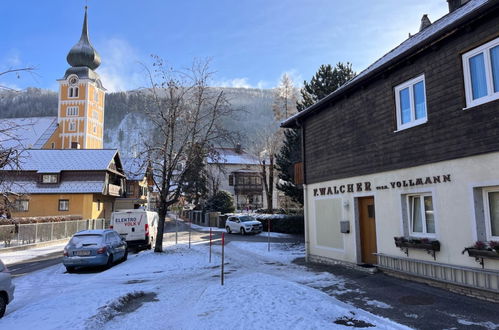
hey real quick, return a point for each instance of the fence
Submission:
(23, 234)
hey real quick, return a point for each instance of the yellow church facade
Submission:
(80, 114)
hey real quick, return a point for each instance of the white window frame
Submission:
(49, 178)
(73, 92)
(72, 111)
(63, 205)
(409, 84)
(72, 126)
(488, 220)
(424, 233)
(491, 95)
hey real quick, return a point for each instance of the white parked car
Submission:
(243, 224)
(6, 288)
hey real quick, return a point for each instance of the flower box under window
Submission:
(482, 250)
(429, 245)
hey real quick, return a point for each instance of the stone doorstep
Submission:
(327, 261)
(32, 246)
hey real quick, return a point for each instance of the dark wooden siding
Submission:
(356, 135)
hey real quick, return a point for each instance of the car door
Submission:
(121, 245)
(112, 244)
(232, 223)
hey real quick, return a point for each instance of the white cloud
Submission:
(120, 69)
(236, 83)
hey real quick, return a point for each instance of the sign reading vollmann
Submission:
(367, 186)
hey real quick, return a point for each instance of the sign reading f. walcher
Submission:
(368, 185)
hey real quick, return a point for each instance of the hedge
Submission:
(281, 223)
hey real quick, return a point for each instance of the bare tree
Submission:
(186, 112)
(285, 97)
(265, 146)
(17, 72)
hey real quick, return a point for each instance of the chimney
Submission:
(455, 4)
(425, 22)
(238, 148)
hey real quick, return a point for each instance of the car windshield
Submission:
(86, 240)
(246, 218)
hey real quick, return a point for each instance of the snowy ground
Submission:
(17, 256)
(181, 289)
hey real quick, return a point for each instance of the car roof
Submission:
(94, 232)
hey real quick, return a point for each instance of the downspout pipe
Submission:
(305, 194)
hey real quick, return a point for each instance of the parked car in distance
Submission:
(89, 248)
(138, 227)
(243, 224)
(6, 288)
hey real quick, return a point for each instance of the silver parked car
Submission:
(6, 288)
(94, 248)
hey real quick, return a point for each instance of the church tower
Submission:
(81, 99)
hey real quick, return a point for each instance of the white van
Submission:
(138, 227)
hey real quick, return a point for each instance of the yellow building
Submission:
(66, 182)
(56, 179)
(80, 116)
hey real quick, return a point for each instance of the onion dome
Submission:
(83, 53)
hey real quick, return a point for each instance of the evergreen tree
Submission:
(221, 202)
(325, 81)
(195, 187)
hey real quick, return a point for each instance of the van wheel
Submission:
(3, 304)
(109, 261)
(125, 257)
(70, 269)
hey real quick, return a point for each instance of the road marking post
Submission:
(223, 257)
(176, 230)
(268, 229)
(190, 224)
(210, 243)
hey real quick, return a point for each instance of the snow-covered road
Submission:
(180, 289)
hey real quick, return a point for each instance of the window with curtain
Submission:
(491, 199)
(421, 214)
(410, 101)
(481, 73)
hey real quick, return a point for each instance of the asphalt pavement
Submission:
(34, 264)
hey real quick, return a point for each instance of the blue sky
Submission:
(251, 42)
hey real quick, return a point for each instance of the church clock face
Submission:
(73, 80)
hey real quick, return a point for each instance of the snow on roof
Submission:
(405, 48)
(26, 133)
(64, 187)
(55, 160)
(231, 156)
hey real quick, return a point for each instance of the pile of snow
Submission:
(181, 289)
